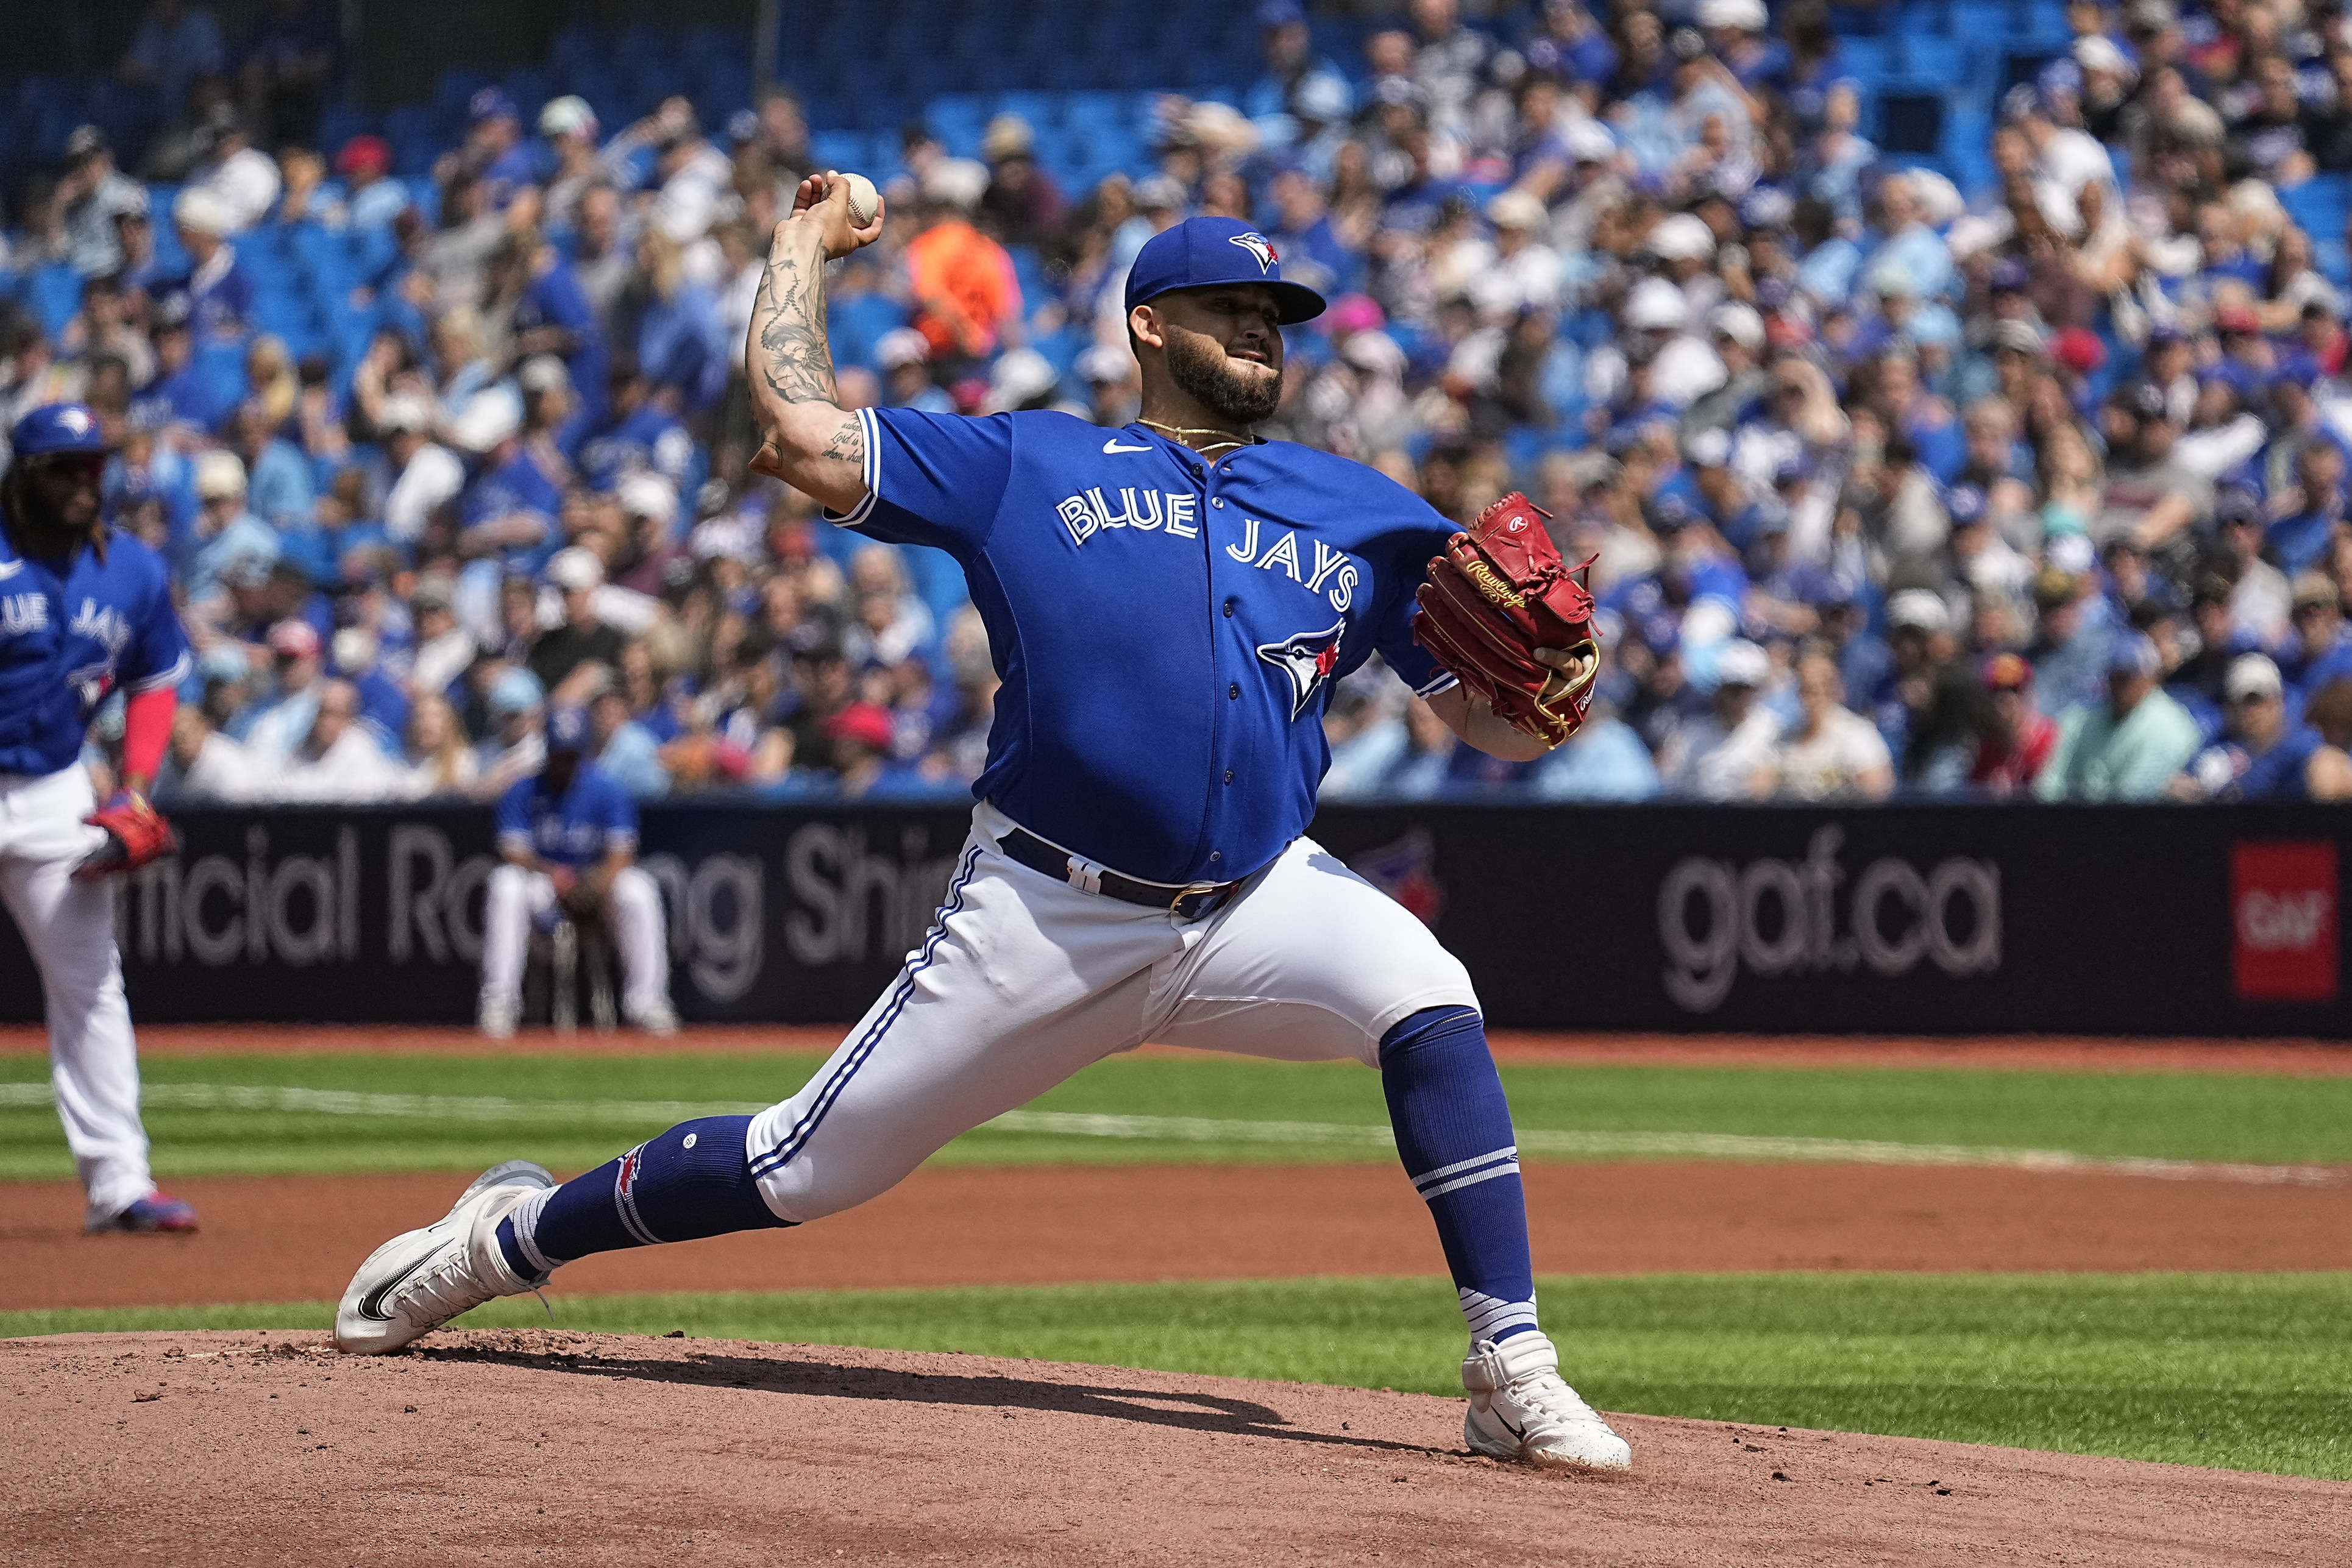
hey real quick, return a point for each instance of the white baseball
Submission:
(864, 201)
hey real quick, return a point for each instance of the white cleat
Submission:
(496, 1019)
(1519, 1409)
(418, 1281)
(660, 1019)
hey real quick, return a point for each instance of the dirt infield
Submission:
(573, 1449)
(297, 1239)
(2301, 1059)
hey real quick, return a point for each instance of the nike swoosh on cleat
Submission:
(371, 1304)
(1113, 445)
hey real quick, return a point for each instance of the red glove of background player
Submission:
(136, 834)
(1500, 592)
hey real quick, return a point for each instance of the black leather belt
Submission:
(1189, 901)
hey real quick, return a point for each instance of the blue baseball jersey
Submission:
(576, 827)
(70, 637)
(1167, 628)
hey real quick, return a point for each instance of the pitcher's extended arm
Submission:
(805, 438)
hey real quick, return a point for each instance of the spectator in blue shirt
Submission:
(637, 434)
(220, 293)
(568, 838)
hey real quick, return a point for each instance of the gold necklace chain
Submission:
(1177, 432)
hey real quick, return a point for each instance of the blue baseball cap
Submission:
(1201, 251)
(492, 103)
(567, 728)
(57, 427)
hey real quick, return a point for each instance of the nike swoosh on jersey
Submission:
(372, 1306)
(1113, 445)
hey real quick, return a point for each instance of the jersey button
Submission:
(1234, 690)
(1228, 609)
(1229, 775)
(1214, 856)
(1217, 501)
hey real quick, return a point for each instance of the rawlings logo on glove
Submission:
(1499, 592)
(136, 834)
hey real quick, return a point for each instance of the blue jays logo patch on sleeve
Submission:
(1307, 659)
(1258, 246)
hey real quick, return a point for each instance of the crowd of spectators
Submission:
(2036, 490)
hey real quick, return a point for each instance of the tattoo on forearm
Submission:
(788, 320)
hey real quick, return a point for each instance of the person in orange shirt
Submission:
(964, 291)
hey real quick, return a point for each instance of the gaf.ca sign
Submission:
(2282, 902)
(1777, 917)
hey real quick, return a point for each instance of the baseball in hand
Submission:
(864, 201)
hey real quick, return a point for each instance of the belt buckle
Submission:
(1191, 889)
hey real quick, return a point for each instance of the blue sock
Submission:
(691, 1182)
(1454, 1131)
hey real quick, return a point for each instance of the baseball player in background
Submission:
(568, 842)
(84, 610)
(1168, 605)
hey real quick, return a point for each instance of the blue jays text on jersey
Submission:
(70, 636)
(1167, 628)
(593, 816)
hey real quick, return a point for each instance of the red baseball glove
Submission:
(136, 834)
(1499, 592)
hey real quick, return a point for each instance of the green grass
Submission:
(2245, 1372)
(2178, 1116)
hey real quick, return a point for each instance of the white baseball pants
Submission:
(69, 927)
(1024, 979)
(515, 895)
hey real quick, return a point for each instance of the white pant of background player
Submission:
(515, 896)
(69, 927)
(1026, 980)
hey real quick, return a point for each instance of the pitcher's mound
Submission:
(544, 1446)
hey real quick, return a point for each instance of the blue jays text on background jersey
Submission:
(68, 638)
(1167, 629)
(575, 829)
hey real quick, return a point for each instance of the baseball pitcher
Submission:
(1168, 605)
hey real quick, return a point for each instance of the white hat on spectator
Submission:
(1748, 16)
(901, 346)
(489, 417)
(1588, 142)
(353, 650)
(575, 569)
(2251, 675)
(198, 209)
(1516, 210)
(1021, 376)
(1738, 323)
(219, 474)
(542, 373)
(957, 183)
(1654, 305)
(2098, 53)
(1742, 663)
(1103, 365)
(1939, 200)
(1681, 236)
(567, 116)
(404, 410)
(647, 495)
(735, 536)
(1919, 608)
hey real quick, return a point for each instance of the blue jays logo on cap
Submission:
(58, 427)
(567, 728)
(1308, 660)
(1199, 253)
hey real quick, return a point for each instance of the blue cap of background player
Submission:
(1201, 251)
(567, 728)
(57, 427)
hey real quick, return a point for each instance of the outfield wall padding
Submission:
(1912, 920)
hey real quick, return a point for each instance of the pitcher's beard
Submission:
(1198, 365)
